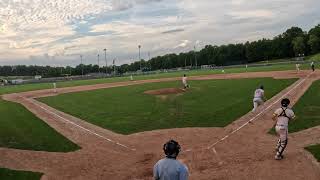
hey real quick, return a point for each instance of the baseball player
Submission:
(131, 78)
(170, 168)
(258, 98)
(298, 67)
(282, 116)
(184, 82)
(312, 66)
(54, 87)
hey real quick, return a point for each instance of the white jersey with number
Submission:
(259, 94)
(284, 116)
(184, 80)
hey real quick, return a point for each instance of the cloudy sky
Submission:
(57, 32)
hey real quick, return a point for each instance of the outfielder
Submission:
(298, 67)
(170, 168)
(258, 98)
(184, 82)
(312, 66)
(282, 116)
(54, 87)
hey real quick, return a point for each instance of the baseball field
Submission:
(96, 129)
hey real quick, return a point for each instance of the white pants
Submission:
(256, 102)
(282, 131)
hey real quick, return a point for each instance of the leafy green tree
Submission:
(298, 45)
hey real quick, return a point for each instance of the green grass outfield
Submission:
(20, 129)
(30, 87)
(315, 150)
(307, 110)
(7, 174)
(126, 110)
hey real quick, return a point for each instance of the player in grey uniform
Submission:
(258, 98)
(170, 168)
(282, 116)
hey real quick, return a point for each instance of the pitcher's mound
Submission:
(165, 91)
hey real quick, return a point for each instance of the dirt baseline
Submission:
(165, 91)
(248, 154)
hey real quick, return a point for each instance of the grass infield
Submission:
(127, 110)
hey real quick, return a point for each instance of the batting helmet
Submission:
(285, 102)
(261, 87)
(171, 149)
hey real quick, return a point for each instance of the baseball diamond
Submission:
(100, 145)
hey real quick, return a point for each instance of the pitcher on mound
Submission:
(184, 82)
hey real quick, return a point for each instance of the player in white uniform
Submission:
(55, 87)
(282, 116)
(298, 67)
(184, 82)
(258, 98)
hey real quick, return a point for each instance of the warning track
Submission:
(247, 154)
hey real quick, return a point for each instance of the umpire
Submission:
(170, 168)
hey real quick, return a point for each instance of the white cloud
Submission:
(183, 44)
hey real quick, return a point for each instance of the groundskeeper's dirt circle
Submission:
(247, 154)
(165, 91)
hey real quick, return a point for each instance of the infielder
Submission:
(184, 82)
(282, 116)
(258, 98)
(170, 168)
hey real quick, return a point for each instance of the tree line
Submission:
(292, 43)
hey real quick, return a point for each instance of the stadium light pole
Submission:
(195, 57)
(105, 58)
(81, 65)
(149, 61)
(140, 55)
(99, 63)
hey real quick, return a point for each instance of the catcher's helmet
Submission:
(285, 102)
(171, 149)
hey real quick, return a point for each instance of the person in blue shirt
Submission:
(170, 168)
